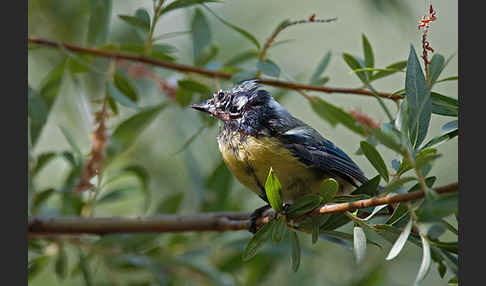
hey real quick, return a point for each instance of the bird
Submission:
(257, 133)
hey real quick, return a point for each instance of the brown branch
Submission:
(223, 221)
(192, 69)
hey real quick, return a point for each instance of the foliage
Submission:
(165, 260)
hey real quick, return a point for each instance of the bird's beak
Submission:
(206, 106)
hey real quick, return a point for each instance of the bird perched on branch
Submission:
(258, 133)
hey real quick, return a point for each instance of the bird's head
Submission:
(235, 104)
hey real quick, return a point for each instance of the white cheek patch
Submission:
(241, 101)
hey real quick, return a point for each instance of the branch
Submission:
(188, 68)
(223, 221)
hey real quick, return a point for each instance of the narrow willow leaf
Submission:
(269, 68)
(400, 242)
(296, 251)
(273, 190)
(84, 267)
(42, 160)
(61, 266)
(208, 54)
(395, 164)
(334, 114)
(201, 34)
(40, 198)
(316, 225)
(257, 241)
(117, 95)
(139, 22)
(69, 137)
(453, 281)
(444, 105)
(369, 58)
(183, 3)
(194, 86)
(355, 64)
(418, 99)
(36, 265)
(435, 209)
(328, 190)
(243, 32)
(162, 52)
(436, 66)
(448, 79)
(316, 76)
(99, 21)
(303, 205)
(359, 243)
(421, 157)
(279, 229)
(441, 139)
(399, 213)
(449, 126)
(376, 210)
(391, 234)
(375, 159)
(426, 261)
(387, 138)
(127, 132)
(389, 70)
(370, 187)
(125, 87)
(346, 236)
(115, 195)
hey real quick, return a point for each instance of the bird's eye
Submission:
(220, 95)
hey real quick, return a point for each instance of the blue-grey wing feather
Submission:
(312, 149)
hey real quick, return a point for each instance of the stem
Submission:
(222, 221)
(209, 73)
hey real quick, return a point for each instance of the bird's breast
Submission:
(249, 158)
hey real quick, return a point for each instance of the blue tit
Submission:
(257, 133)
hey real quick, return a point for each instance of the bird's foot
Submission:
(257, 214)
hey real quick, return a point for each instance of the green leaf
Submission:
(453, 281)
(279, 229)
(435, 209)
(38, 112)
(269, 68)
(218, 185)
(296, 251)
(127, 132)
(375, 159)
(426, 261)
(346, 236)
(99, 21)
(208, 54)
(115, 195)
(42, 160)
(370, 187)
(140, 20)
(115, 94)
(273, 190)
(171, 204)
(162, 51)
(389, 70)
(387, 136)
(449, 126)
(61, 266)
(400, 242)
(83, 264)
(303, 205)
(243, 32)
(418, 99)
(36, 265)
(182, 4)
(40, 198)
(334, 115)
(355, 64)
(125, 87)
(359, 243)
(74, 146)
(391, 234)
(201, 34)
(316, 76)
(399, 213)
(369, 58)
(143, 177)
(444, 105)
(257, 241)
(328, 190)
(316, 225)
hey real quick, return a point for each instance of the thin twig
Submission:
(223, 221)
(210, 73)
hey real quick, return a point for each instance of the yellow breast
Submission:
(250, 159)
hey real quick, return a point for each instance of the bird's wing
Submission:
(314, 150)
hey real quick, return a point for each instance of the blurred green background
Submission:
(390, 26)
